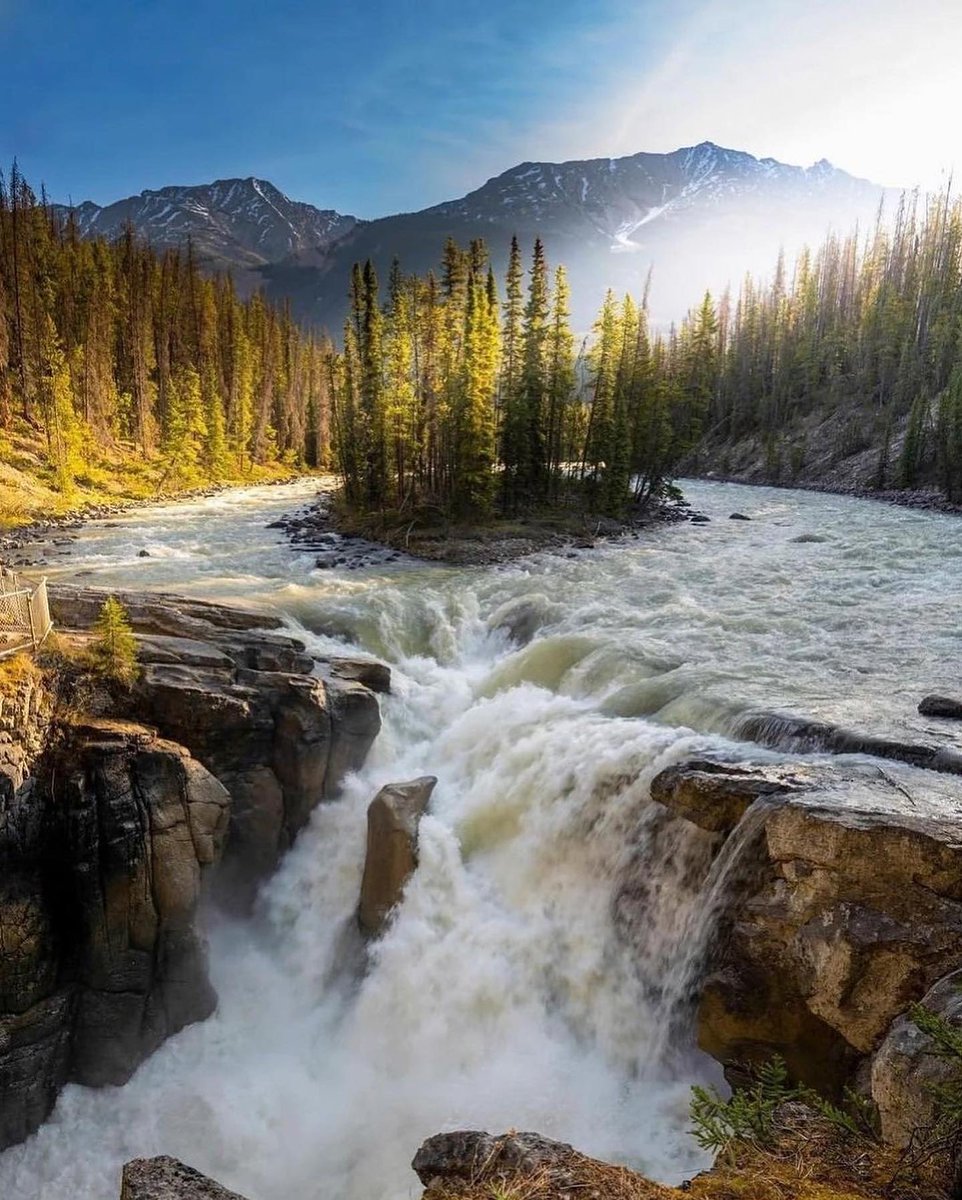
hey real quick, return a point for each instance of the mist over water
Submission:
(537, 972)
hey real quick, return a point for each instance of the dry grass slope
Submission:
(119, 472)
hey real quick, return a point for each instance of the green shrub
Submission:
(748, 1115)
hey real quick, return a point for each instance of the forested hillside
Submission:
(124, 370)
(846, 371)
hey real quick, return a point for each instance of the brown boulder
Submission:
(391, 858)
(908, 1070)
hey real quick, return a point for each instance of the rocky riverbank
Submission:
(117, 817)
(838, 450)
(30, 543)
(806, 1157)
(921, 499)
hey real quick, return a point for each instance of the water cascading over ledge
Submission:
(503, 993)
(849, 911)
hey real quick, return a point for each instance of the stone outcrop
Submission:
(941, 706)
(155, 612)
(199, 778)
(100, 878)
(26, 713)
(392, 849)
(850, 911)
(468, 1155)
(804, 735)
(804, 1156)
(165, 1178)
(908, 1070)
(715, 796)
(279, 729)
(522, 617)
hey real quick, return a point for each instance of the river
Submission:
(518, 986)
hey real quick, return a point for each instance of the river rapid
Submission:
(523, 983)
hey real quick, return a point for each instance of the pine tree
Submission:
(510, 405)
(65, 438)
(114, 649)
(474, 480)
(915, 446)
(372, 411)
(603, 374)
(560, 390)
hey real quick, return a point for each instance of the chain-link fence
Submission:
(24, 612)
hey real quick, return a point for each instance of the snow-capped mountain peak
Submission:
(231, 222)
(700, 216)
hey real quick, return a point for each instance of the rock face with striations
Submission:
(908, 1070)
(111, 831)
(249, 706)
(100, 877)
(850, 909)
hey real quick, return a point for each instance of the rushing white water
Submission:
(538, 965)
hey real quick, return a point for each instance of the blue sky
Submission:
(367, 107)
(376, 107)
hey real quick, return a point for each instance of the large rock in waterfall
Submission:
(392, 849)
(165, 1178)
(941, 706)
(111, 831)
(845, 907)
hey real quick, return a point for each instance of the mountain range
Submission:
(698, 217)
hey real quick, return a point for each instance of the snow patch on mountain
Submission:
(234, 222)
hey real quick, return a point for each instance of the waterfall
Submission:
(539, 973)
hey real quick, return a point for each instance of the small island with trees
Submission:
(455, 411)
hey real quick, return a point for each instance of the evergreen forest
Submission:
(469, 395)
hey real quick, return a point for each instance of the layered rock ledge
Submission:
(846, 908)
(113, 826)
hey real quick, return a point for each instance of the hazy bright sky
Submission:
(373, 107)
